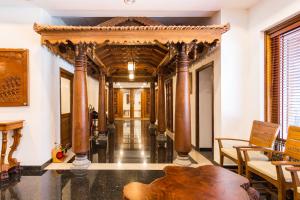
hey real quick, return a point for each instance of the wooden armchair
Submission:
(296, 182)
(274, 171)
(263, 134)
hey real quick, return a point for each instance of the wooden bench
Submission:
(263, 134)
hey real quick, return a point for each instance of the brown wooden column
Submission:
(182, 106)
(131, 100)
(152, 103)
(80, 132)
(161, 124)
(111, 117)
(101, 105)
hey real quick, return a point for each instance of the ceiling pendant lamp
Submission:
(131, 66)
(131, 76)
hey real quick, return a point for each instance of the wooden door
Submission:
(66, 93)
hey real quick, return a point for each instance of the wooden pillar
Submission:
(101, 105)
(111, 117)
(132, 92)
(182, 106)
(80, 132)
(152, 103)
(161, 125)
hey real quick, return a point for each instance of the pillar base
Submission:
(161, 137)
(153, 126)
(182, 161)
(102, 138)
(111, 126)
(152, 129)
(80, 162)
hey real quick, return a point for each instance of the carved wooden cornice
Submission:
(129, 34)
(118, 21)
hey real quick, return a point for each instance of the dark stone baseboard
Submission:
(35, 170)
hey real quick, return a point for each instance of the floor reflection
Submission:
(131, 143)
(76, 185)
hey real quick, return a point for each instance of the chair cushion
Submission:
(253, 155)
(266, 168)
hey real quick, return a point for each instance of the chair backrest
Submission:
(292, 145)
(263, 133)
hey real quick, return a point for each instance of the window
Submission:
(283, 75)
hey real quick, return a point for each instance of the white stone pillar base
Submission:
(182, 161)
(161, 137)
(111, 126)
(152, 126)
(80, 162)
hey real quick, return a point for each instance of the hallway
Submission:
(132, 143)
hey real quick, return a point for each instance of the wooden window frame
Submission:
(276, 31)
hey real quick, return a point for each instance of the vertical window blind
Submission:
(289, 79)
(285, 78)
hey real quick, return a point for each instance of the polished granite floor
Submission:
(132, 143)
(76, 185)
(130, 146)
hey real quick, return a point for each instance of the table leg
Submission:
(3, 149)
(17, 136)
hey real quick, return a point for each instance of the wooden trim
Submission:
(210, 64)
(285, 26)
(68, 75)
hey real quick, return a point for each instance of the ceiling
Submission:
(93, 21)
(154, 8)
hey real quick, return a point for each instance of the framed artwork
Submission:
(14, 77)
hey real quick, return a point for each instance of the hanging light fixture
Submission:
(131, 66)
(131, 76)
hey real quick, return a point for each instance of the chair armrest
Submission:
(249, 146)
(293, 169)
(254, 148)
(279, 163)
(233, 139)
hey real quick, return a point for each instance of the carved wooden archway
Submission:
(105, 49)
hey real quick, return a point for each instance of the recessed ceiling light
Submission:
(129, 2)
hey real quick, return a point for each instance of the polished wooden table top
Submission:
(205, 182)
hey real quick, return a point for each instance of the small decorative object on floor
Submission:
(205, 182)
(12, 169)
(59, 153)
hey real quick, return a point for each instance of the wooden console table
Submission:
(5, 128)
(205, 182)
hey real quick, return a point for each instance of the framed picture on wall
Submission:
(13, 77)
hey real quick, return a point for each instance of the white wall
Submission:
(242, 61)
(263, 16)
(214, 57)
(42, 122)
